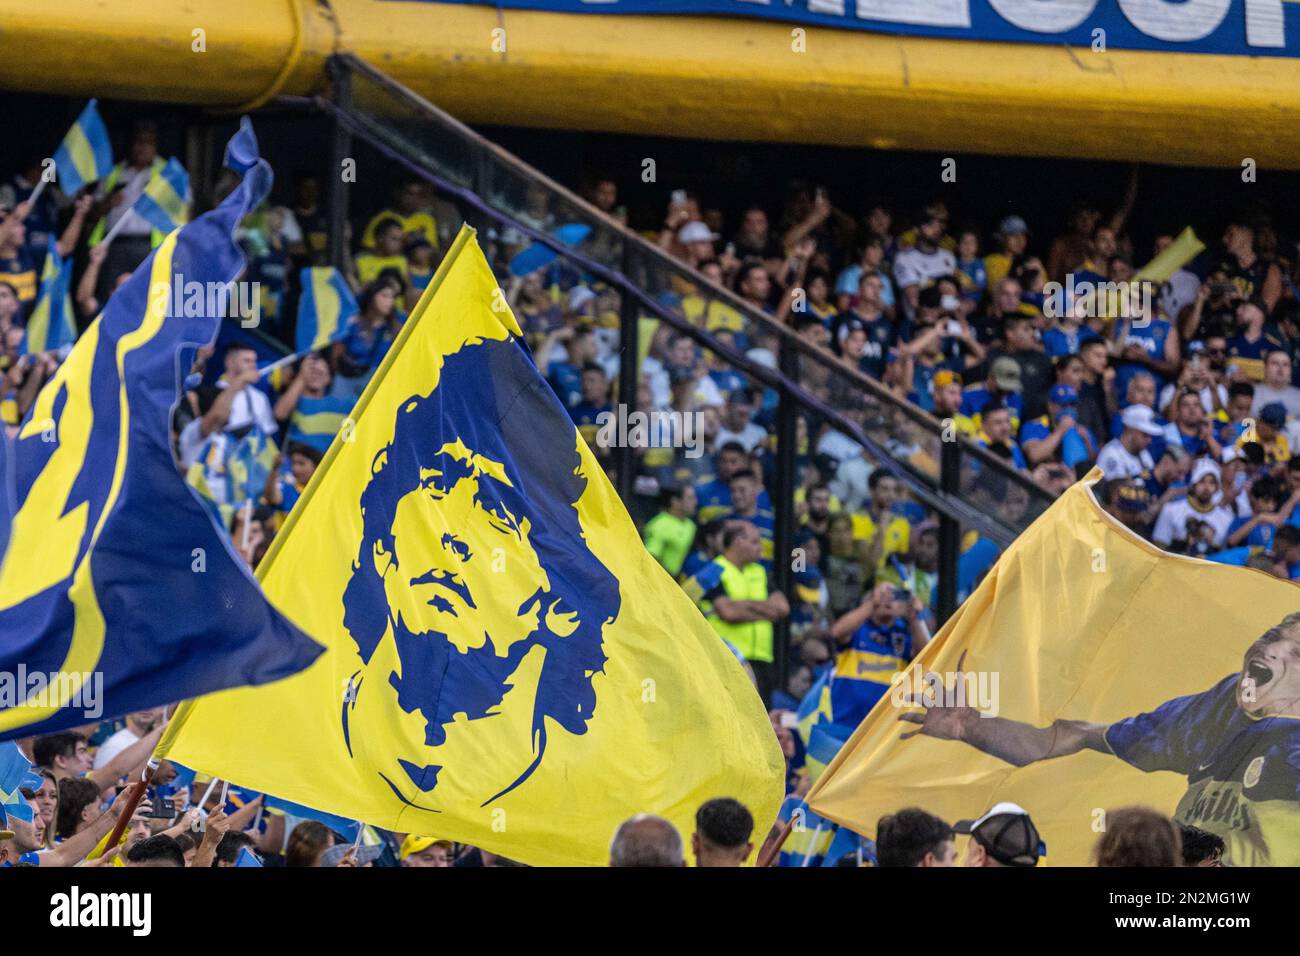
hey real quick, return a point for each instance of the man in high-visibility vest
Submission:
(741, 608)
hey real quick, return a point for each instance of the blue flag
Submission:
(118, 592)
(164, 203)
(324, 310)
(85, 154)
(52, 324)
(241, 151)
(15, 774)
(247, 858)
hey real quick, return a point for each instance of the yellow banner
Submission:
(506, 665)
(1091, 671)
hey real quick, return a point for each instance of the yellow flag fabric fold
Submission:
(1098, 672)
(506, 666)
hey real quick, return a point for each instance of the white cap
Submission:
(1143, 419)
(1231, 453)
(695, 231)
(1005, 808)
(1203, 467)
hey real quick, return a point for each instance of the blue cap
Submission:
(1063, 395)
(1274, 413)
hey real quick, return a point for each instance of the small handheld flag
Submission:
(52, 324)
(85, 154)
(241, 151)
(163, 203)
(326, 306)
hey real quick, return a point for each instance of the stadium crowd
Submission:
(1182, 390)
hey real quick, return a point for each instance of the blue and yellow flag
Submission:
(85, 154)
(324, 309)
(52, 325)
(164, 204)
(1091, 671)
(117, 591)
(506, 665)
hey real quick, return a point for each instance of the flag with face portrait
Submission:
(1091, 671)
(506, 665)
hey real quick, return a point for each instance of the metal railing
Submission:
(967, 486)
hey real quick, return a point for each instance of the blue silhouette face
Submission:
(473, 559)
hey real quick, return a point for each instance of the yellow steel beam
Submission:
(681, 76)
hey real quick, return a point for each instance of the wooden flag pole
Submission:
(132, 804)
(767, 856)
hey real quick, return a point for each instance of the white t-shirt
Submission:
(250, 407)
(113, 746)
(914, 267)
(1118, 462)
(751, 436)
(1266, 394)
(1171, 526)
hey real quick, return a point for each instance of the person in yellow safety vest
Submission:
(115, 197)
(132, 174)
(742, 609)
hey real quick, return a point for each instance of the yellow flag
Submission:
(1180, 252)
(1098, 672)
(505, 664)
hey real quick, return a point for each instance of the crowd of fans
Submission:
(1183, 391)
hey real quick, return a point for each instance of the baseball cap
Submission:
(696, 232)
(1141, 418)
(1203, 467)
(1274, 413)
(1013, 225)
(1007, 834)
(946, 377)
(1006, 373)
(1132, 496)
(1063, 395)
(418, 844)
(1230, 453)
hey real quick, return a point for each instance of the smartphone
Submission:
(790, 719)
(162, 809)
(903, 594)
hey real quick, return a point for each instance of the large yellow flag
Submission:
(1095, 672)
(505, 664)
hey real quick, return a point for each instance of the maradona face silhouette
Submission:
(474, 598)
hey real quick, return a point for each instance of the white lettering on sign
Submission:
(930, 13)
(1044, 16)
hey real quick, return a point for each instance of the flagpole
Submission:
(280, 363)
(132, 804)
(768, 855)
(117, 227)
(36, 193)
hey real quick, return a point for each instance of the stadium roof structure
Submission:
(1214, 90)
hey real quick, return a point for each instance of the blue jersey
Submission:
(1261, 536)
(315, 421)
(1243, 773)
(1058, 342)
(1151, 338)
(865, 667)
(765, 521)
(975, 397)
